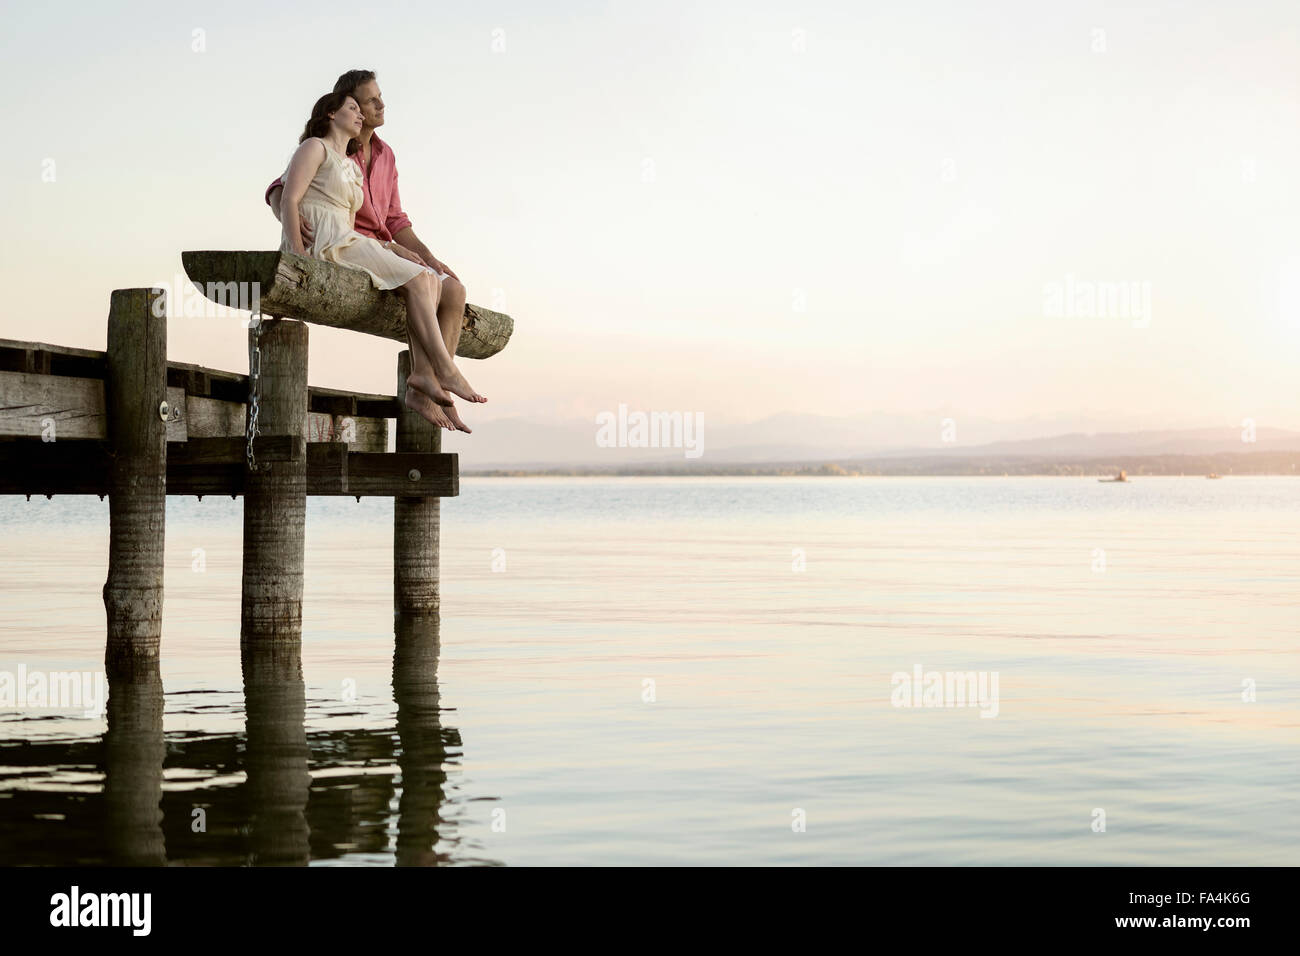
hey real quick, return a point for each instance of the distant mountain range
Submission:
(522, 445)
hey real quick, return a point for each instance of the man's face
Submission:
(372, 104)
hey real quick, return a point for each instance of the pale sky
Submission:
(737, 209)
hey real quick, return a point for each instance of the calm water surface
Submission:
(655, 671)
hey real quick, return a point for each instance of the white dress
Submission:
(330, 205)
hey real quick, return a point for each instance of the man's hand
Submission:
(443, 267)
(406, 253)
(407, 238)
(304, 227)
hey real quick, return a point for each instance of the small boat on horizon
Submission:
(1120, 477)
(1213, 475)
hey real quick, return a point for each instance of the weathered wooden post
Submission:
(135, 388)
(415, 520)
(275, 492)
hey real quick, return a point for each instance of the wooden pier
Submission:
(129, 424)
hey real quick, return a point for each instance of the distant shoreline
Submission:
(1277, 464)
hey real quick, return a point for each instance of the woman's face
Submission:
(347, 118)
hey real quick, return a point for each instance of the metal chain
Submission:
(254, 382)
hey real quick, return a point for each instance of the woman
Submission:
(325, 185)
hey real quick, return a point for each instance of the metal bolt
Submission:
(413, 474)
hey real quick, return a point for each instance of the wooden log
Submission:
(313, 290)
(135, 388)
(275, 501)
(415, 519)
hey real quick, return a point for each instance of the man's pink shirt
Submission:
(380, 215)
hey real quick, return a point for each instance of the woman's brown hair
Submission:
(319, 123)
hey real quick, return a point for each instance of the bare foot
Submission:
(429, 385)
(427, 409)
(456, 384)
(454, 415)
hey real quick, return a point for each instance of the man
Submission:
(381, 216)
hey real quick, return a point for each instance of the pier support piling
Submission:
(275, 494)
(135, 387)
(415, 520)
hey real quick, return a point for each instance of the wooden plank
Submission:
(211, 418)
(63, 407)
(327, 468)
(65, 350)
(81, 468)
(42, 358)
(228, 451)
(54, 468)
(51, 406)
(341, 403)
(312, 290)
(405, 474)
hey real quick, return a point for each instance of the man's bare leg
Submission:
(427, 408)
(419, 309)
(443, 367)
(451, 313)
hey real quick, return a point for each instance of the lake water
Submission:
(696, 671)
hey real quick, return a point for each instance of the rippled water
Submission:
(646, 671)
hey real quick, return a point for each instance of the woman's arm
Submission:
(302, 169)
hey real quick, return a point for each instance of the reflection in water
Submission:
(419, 732)
(133, 768)
(275, 708)
(274, 795)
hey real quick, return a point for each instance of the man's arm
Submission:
(409, 240)
(399, 227)
(274, 193)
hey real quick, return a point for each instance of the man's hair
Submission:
(349, 81)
